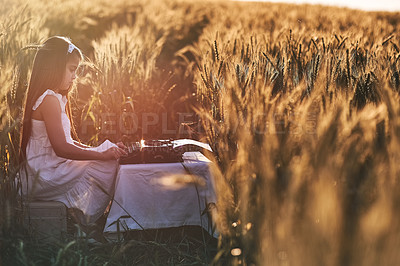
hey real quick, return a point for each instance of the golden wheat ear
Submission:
(32, 47)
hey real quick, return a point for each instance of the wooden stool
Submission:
(46, 220)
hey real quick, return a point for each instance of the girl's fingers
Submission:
(120, 152)
(117, 152)
(121, 145)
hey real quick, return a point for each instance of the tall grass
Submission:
(305, 140)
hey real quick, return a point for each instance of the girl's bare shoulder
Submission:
(49, 104)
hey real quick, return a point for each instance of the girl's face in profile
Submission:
(69, 74)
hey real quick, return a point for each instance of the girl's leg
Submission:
(93, 230)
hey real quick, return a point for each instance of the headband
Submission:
(71, 48)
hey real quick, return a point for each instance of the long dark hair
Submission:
(47, 73)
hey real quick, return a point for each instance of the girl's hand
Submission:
(113, 153)
(122, 146)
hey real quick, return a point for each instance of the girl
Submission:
(59, 168)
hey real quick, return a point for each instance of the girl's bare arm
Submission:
(51, 113)
(81, 145)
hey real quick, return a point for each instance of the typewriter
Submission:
(160, 151)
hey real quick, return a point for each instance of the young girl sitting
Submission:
(59, 168)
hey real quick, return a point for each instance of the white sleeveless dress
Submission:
(84, 185)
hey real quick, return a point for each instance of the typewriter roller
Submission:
(152, 151)
(160, 151)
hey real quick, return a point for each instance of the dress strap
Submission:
(61, 99)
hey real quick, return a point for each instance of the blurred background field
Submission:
(299, 103)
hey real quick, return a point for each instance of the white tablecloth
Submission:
(161, 195)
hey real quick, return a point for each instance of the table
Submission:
(162, 195)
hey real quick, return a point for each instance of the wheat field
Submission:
(299, 103)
